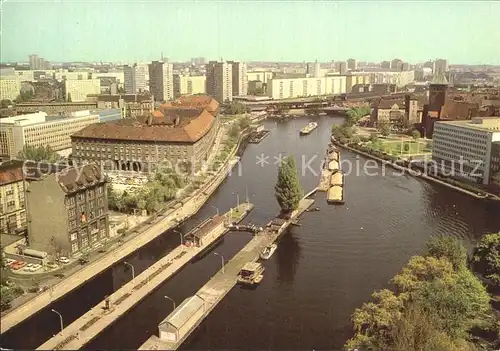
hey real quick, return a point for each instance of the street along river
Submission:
(320, 272)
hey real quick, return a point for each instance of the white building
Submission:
(118, 75)
(10, 87)
(189, 85)
(161, 80)
(302, 87)
(472, 142)
(38, 129)
(64, 74)
(77, 90)
(135, 78)
(239, 78)
(220, 81)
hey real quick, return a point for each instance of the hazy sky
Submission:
(126, 30)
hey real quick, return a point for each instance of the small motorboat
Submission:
(268, 251)
(251, 274)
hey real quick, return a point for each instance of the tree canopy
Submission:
(486, 257)
(38, 154)
(288, 191)
(235, 108)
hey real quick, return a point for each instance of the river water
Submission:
(320, 272)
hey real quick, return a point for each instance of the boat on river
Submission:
(251, 274)
(268, 251)
(309, 128)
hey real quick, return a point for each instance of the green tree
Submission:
(448, 247)
(6, 297)
(244, 123)
(385, 129)
(374, 138)
(235, 108)
(288, 191)
(5, 103)
(415, 134)
(486, 257)
(38, 154)
(406, 147)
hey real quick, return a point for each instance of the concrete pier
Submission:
(87, 327)
(221, 283)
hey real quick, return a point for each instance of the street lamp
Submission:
(133, 270)
(180, 234)
(216, 210)
(168, 298)
(60, 319)
(222, 260)
(237, 199)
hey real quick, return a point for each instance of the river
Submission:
(320, 272)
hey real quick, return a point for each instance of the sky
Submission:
(266, 30)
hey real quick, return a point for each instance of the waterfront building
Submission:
(161, 80)
(68, 211)
(474, 142)
(220, 81)
(12, 197)
(239, 78)
(134, 78)
(255, 87)
(189, 85)
(39, 129)
(77, 89)
(10, 87)
(402, 112)
(180, 133)
(302, 87)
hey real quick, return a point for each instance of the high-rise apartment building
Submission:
(441, 65)
(135, 78)
(396, 65)
(10, 87)
(239, 78)
(341, 67)
(219, 81)
(189, 85)
(161, 80)
(314, 69)
(352, 64)
(77, 90)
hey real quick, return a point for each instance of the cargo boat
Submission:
(309, 128)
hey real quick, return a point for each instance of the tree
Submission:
(235, 108)
(5, 103)
(486, 257)
(406, 148)
(288, 191)
(448, 247)
(39, 154)
(374, 138)
(415, 134)
(6, 296)
(244, 123)
(385, 129)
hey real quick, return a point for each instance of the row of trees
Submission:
(39, 153)
(235, 108)
(161, 188)
(8, 291)
(436, 301)
(288, 191)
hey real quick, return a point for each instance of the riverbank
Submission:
(223, 281)
(419, 174)
(151, 230)
(88, 326)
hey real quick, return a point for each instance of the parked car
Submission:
(83, 260)
(52, 265)
(63, 259)
(35, 267)
(16, 265)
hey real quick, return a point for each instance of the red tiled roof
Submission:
(194, 101)
(190, 132)
(10, 172)
(75, 178)
(458, 110)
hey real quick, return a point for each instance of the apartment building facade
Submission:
(471, 142)
(161, 80)
(135, 78)
(10, 87)
(303, 87)
(189, 85)
(219, 81)
(239, 78)
(68, 211)
(12, 197)
(38, 129)
(76, 90)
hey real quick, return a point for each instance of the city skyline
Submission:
(252, 31)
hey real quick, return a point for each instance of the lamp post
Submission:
(180, 234)
(60, 319)
(133, 269)
(168, 298)
(222, 260)
(237, 199)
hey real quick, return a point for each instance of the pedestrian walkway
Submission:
(150, 232)
(87, 327)
(222, 282)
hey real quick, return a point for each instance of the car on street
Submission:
(35, 267)
(63, 260)
(16, 265)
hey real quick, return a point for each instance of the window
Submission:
(85, 241)
(74, 246)
(73, 236)
(72, 224)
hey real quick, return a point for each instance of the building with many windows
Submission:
(220, 81)
(76, 90)
(239, 78)
(12, 197)
(135, 78)
(68, 211)
(10, 87)
(471, 142)
(39, 129)
(161, 80)
(180, 134)
(189, 85)
(303, 87)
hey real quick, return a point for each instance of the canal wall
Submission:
(223, 281)
(156, 226)
(419, 174)
(88, 326)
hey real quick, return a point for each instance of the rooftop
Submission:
(184, 312)
(439, 79)
(488, 124)
(11, 171)
(75, 178)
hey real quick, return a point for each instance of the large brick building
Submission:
(180, 133)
